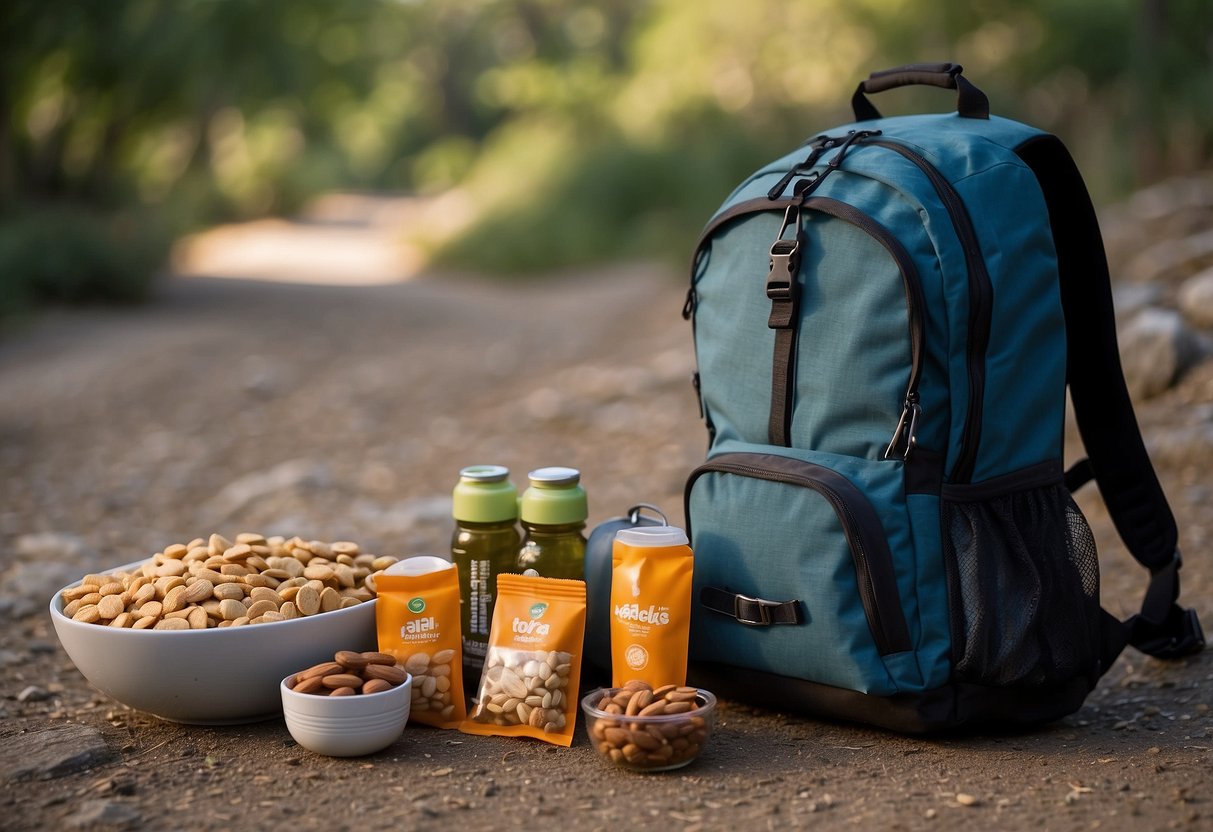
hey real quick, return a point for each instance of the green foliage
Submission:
(67, 255)
(712, 89)
(577, 130)
(600, 197)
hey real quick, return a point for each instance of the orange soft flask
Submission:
(650, 605)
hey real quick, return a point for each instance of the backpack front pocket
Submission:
(794, 572)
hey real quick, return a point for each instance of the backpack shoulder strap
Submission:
(1117, 455)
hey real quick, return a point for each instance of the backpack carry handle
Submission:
(970, 101)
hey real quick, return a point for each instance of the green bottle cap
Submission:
(555, 498)
(484, 494)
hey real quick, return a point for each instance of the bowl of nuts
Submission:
(641, 728)
(203, 632)
(355, 704)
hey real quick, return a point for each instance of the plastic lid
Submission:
(484, 473)
(419, 565)
(549, 477)
(555, 498)
(484, 494)
(641, 536)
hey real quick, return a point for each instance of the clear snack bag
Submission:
(417, 616)
(529, 684)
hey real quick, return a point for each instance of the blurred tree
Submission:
(641, 114)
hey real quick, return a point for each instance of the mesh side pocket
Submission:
(1024, 588)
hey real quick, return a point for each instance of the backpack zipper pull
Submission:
(907, 425)
(853, 137)
(826, 143)
(819, 146)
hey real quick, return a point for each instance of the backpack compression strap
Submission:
(1117, 456)
(784, 292)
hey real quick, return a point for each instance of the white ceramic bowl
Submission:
(219, 676)
(346, 726)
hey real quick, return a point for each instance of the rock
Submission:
(103, 814)
(45, 562)
(54, 752)
(1196, 299)
(27, 587)
(1129, 299)
(1171, 258)
(1181, 444)
(1156, 347)
(33, 693)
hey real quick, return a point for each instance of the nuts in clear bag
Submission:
(528, 686)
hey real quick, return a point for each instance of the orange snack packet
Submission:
(417, 616)
(651, 569)
(529, 684)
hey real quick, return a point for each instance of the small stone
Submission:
(1196, 299)
(1156, 347)
(33, 693)
(54, 752)
(967, 799)
(929, 814)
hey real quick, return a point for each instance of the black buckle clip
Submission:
(785, 260)
(1180, 635)
(764, 615)
(785, 257)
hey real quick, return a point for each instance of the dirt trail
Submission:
(346, 412)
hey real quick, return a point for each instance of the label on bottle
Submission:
(480, 602)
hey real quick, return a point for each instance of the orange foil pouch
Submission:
(651, 569)
(529, 684)
(417, 616)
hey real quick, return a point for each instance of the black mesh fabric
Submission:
(1024, 587)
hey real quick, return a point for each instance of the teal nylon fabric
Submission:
(779, 542)
(1027, 329)
(853, 362)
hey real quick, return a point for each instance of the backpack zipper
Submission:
(904, 434)
(820, 146)
(865, 536)
(981, 295)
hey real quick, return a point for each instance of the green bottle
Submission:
(553, 513)
(484, 544)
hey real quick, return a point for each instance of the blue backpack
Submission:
(886, 322)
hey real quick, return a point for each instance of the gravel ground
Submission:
(341, 412)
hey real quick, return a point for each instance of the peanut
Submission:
(519, 686)
(431, 681)
(204, 581)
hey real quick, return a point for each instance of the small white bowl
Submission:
(346, 726)
(220, 676)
